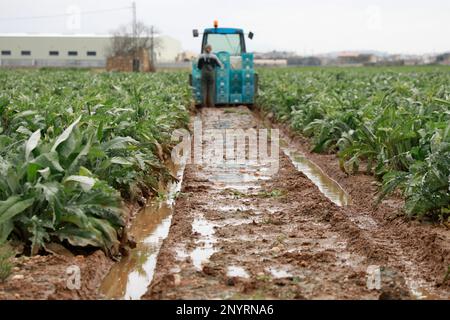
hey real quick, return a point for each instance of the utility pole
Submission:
(152, 47)
(135, 40)
(134, 23)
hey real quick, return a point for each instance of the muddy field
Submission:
(50, 277)
(241, 231)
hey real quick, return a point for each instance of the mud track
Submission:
(240, 233)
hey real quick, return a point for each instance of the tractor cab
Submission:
(236, 84)
(225, 40)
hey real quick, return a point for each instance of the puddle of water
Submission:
(240, 187)
(250, 166)
(333, 242)
(423, 294)
(230, 209)
(205, 245)
(237, 272)
(175, 269)
(129, 278)
(201, 255)
(279, 273)
(330, 188)
(237, 222)
(418, 288)
(181, 252)
(238, 178)
(203, 227)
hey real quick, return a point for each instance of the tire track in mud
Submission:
(239, 232)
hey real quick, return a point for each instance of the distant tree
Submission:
(126, 41)
(443, 57)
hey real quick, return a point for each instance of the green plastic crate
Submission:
(235, 98)
(248, 77)
(222, 98)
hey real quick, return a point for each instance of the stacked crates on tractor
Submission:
(197, 83)
(236, 86)
(248, 62)
(235, 83)
(248, 78)
(223, 79)
(224, 57)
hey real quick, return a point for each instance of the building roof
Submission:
(60, 35)
(51, 35)
(349, 54)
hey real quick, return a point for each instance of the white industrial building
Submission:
(50, 50)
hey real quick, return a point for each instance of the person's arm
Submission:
(200, 63)
(218, 62)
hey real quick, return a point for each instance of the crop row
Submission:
(74, 145)
(395, 122)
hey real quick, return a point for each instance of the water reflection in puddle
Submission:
(205, 244)
(330, 188)
(278, 273)
(238, 178)
(240, 187)
(235, 208)
(238, 272)
(129, 278)
(238, 222)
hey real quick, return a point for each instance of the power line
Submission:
(64, 14)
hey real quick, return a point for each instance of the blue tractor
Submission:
(237, 83)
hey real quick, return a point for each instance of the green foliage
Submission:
(73, 145)
(276, 193)
(6, 265)
(394, 121)
(426, 185)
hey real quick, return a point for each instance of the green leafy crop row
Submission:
(394, 121)
(74, 145)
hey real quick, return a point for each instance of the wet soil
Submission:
(239, 232)
(52, 276)
(47, 277)
(423, 247)
(307, 231)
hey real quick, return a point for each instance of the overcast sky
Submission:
(394, 26)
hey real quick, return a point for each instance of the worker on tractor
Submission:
(207, 63)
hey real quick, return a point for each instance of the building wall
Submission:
(40, 46)
(126, 63)
(171, 48)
